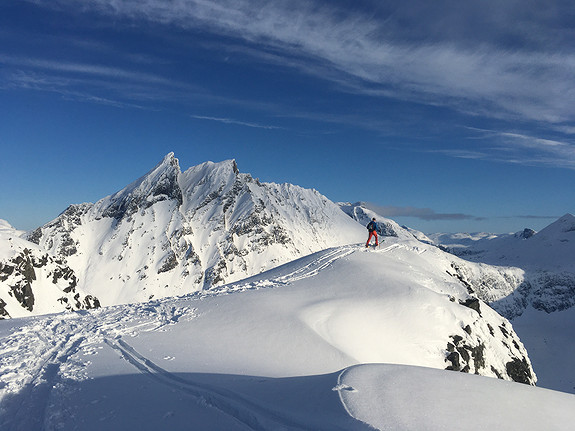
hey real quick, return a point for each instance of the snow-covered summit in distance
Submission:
(546, 260)
(172, 232)
(552, 248)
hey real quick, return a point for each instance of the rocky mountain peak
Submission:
(173, 232)
(161, 183)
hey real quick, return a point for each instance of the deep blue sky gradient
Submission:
(446, 115)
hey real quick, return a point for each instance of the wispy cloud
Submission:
(88, 69)
(519, 148)
(436, 60)
(535, 217)
(426, 214)
(235, 122)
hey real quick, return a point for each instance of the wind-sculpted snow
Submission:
(171, 233)
(380, 394)
(263, 353)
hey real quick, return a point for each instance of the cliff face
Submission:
(33, 281)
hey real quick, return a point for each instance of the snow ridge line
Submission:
(322, 261)
(389, 248)
(341, 387)
(252, 415)
(313, 268)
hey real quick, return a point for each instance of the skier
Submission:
(372, 228)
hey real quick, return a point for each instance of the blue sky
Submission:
(447, 115)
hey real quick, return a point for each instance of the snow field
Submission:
(266, 353)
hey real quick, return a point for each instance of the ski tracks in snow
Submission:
(32, 367)
(300, 269)
(39, 360)
(254, 416)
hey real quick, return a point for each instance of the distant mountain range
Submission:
(542, 265)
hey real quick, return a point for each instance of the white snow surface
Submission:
(552, 249)
(397, 397)
(292, 348)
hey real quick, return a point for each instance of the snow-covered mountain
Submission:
(286, 349)
(172, 232)
(33, 281)
(539, 293)
(541, 265)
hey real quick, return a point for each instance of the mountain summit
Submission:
(172, 232)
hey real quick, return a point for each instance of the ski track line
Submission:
(313, 268)
(390, 248)
(34, 395)
(254, 416)
(305, 271)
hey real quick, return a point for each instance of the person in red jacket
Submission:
(372, 228)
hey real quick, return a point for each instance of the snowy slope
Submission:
(263, 353)
(551, 249)
(173, 232)
(407, 398)
(34, 282)
(540, 293)
(541, 265)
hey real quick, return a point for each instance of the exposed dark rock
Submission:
(478, 354)
(22, 271)
(497, 373)
(461, 277)
(5, 271)
(457, 339)
(453, 357)
(491, 329)
(35, 236)
(22, 291)
(3, 313)
(554, 292)
(519, 370)
(464, 353)
(91, 302)
(526, 233)
(386, 229)
(472, 303)
(169, 263)
(464, 356)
